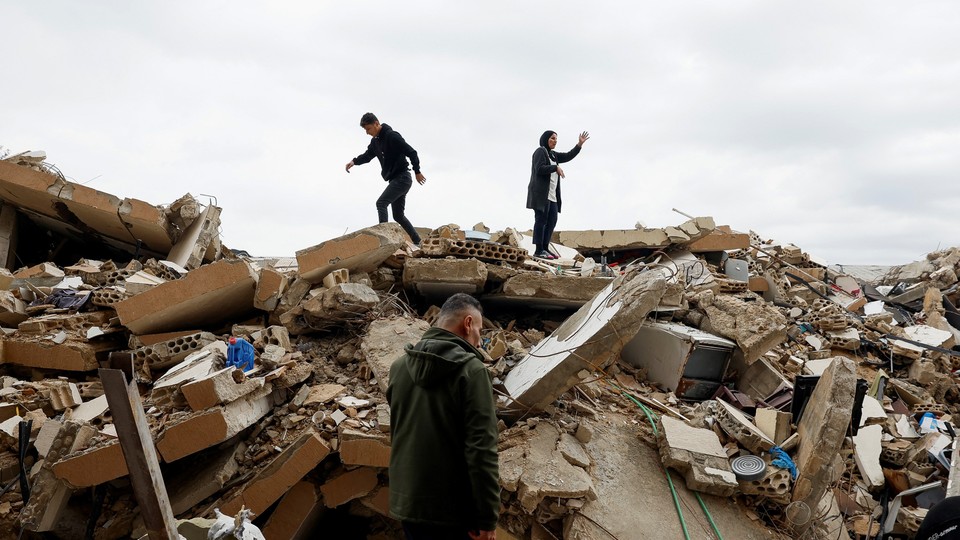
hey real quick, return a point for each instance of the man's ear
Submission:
(465, 324)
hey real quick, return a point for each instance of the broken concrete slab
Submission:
(77, 210)
(70, 355)
(590, 339)
(722, 238)
(268, 485)
(92, 467)
(698, 455)
(369, 448)
(203, 479)
(384, 342)
(87, 411)
(13, 310)
(213, 426)
(774, 424)
(536, 290)
(348, 486)
(359, 251)
(641, 238)
(444, 277)
(211, 294)
(333, 307)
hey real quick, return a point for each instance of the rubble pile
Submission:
(692, 359)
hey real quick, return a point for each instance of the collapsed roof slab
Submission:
(620, 240)
(589, 339)
(547, 291)
(213, 293)
(79, 211)
(359, 251)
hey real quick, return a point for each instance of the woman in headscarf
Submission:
(543, 193)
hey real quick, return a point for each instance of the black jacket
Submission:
(540, 173)
(443, 460)
(392, 151)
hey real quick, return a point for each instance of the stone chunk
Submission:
(698, 455)
(385, 341)
(757, 327)
(359, 251)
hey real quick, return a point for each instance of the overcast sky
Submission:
(831, 125)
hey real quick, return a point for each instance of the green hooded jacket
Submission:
(443, 424)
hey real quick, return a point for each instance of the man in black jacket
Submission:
(389, 147)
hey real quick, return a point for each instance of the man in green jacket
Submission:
(444, 479)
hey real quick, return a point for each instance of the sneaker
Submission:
(544, 254)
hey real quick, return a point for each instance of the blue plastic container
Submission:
(240, 353)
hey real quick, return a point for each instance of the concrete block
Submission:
(92, 467)
(444, 277)
(211, 294)
(296, 513)
(270, 288)
(384, 342)
(740, 427)
(288, 468)
(167, 353)
(359, 251)
(348, 486)
(223, 386)
(822, 429)
(590, 339)
(213, 426)
(336, 277)
(698, 455)
(63, 394)
(364, 448)
(774, 424)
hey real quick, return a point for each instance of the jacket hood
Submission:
(437, 356)
(385, 130)
(545, 137)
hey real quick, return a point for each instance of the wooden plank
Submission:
(140, 454)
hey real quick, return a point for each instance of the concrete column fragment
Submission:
(283, 473)
(359, 251)
(589, 339)
(211, 294)
(698, 455)
(385, 341)
(822, 429)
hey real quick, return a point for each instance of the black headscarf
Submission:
(545, 137)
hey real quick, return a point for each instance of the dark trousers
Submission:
(395, 196)
(421, 531)
(544, 221)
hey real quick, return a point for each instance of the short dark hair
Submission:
(456, 305)
(368, 119)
